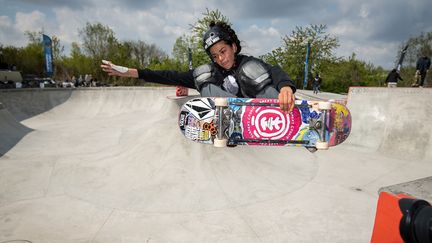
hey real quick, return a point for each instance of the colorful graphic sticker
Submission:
(267, 122)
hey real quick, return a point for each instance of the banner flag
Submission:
(47, 43)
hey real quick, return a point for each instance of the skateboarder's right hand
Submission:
(286, 99)
(115, 70)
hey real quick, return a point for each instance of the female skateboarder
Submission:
(230, 74)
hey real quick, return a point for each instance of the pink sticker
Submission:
(265, 122)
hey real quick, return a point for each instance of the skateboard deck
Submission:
(260, 122)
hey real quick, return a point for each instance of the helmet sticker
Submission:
(213, 38)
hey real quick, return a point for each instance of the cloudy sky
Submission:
(373, 29)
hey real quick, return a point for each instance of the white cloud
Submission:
(5, 22)
(67, 25)
(347, 29)
(9, 34)
(257, 41)
(364, 11)
(32, 21)
(372, 52)
(7, 30)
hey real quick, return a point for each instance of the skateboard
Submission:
(256, 121)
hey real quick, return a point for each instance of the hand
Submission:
(286, 99)
(115, 70)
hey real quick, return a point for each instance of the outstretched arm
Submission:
(167, 77)
(116, 70)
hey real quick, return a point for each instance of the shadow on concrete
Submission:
(11, 131)
(21, 104)
(26, 103)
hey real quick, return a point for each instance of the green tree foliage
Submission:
(292, 54)
(78, 63)
(144, 53)
(181, 50)
(28, 59)
(11, 56)
(57, 49)
(32, 58)
(195, 38)
(340, 74)
(201, 25)
(98, 41)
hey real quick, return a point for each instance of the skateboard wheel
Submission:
(220, 143)
(321, 145)
(311, 149)
(324, 105)
(221, 101)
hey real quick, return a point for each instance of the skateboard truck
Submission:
(220, 141)
(321, 124)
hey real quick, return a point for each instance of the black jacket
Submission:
(393, 77)
(423, 64)
(169, 77)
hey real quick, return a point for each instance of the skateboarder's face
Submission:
(223, 54)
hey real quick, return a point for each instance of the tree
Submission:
(145, 53)
(201, 25)
(10, 55)
(31, 57)
(57, 49)
(181, 48)
(291, 55)
(340, 74)
(98, 40)
(78, 63)
(195, 38)
(99, 43)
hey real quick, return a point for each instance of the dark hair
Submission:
(229, 36)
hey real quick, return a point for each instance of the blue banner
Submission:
(47, 43)
(305, 81)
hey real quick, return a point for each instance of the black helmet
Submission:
(214, 35)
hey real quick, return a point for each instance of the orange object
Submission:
(387, 219)
(182, 91)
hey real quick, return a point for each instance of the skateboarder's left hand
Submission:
(286, 99)
(116, 70)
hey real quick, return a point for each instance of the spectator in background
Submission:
(423, 65)
(74, 80)
(392, 78)
(317, 84)
(80, 80)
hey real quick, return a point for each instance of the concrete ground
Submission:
(110, 165)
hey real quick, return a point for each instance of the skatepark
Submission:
(110, 165)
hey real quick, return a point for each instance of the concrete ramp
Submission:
(394, 122)
(27, 103)
(110, 165)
